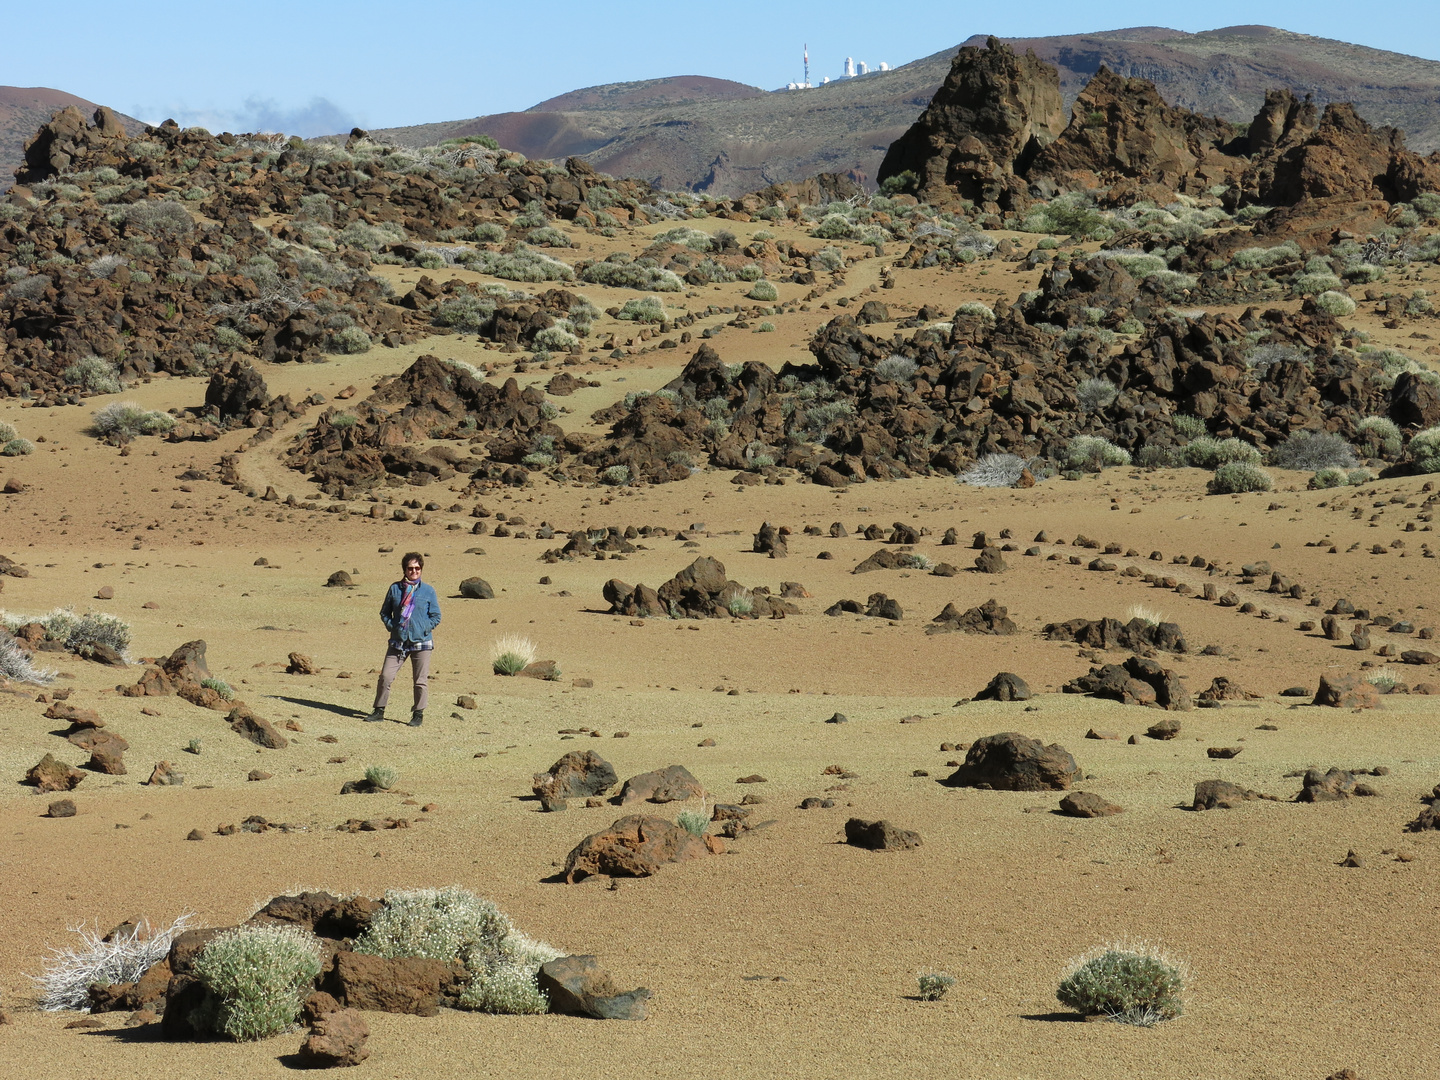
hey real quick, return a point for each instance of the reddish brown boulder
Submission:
(164, 775)
(300, 664)
(255, 728)
(61, 808)
(1223, 795)
(321, 913)
(577, 775)
(989, 618)
(1347, 692)
(674, 783)
(400, 985)
(1222, 688)
(49, 774)
(1086, 804)
(636, 846)
(336, 1040)
(576, 986)
(63, 710)
(1011, 762)
(879, 835)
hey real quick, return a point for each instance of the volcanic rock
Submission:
(1012, 762)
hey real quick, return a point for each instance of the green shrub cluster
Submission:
(1239, 476)
(127, 420)
(259, 977)
(1134, 984)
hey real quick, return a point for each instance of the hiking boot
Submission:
(417, 717)
(375, 717)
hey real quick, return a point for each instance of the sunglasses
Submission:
(408, 569)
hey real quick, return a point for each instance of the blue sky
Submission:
(319, 66)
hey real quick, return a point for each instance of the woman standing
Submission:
(411, 611)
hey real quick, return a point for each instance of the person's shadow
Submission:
(323, 706)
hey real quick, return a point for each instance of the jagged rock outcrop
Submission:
(1121, 127)
(994, 113)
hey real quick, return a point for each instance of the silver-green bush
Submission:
(1130, 983)
(1238, 476)
(934, 985)
(93, 373)
(1311, 450)
(763, 291)
(1336, 304)
(128, 420)
(260, 977)
(1092, 453)
(382, 777)
(994, 470)
(1207, 452)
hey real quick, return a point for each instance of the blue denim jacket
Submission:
(423, 619)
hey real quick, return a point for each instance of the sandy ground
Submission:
(792, 955)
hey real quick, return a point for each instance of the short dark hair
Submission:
(412, 556)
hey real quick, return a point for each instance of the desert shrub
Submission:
(740, 604)
(830, 259)
(763, 291)
(633, 275)
(157, 217)
(994, 470)
(556, 339)
(617, 475)
(260, 977)
(1311, 450)
(140, 277)
(1424, 450)
(765, 328)
(694, 239)
(1095, 394)
(1315, 282)
(1129, 982)
(93, 373)
(1207, 452)
(381, 776)
(1383, 679)
(1130, 326)
(127, 420)
(511, 654)
(1187, 427)
(487, 232)
(1151, 456)
(1382, 432)
(70, 972)
(15, 665)
(1335, 304)
(92, 628)
(29, 288)
(1258, 258)
(1067, 215)
(106, 265)
(1138, 264)
(645, 309)
(17, 447)
(818, 418)
(466, 313)
(1329, 478)
(1092, 453)
(976, 310)
(454, 924)
(692, 821)
(1419, 303)
(896, 369)
(934, 985)
(349, 341)
(362, 234)
(220, 686)
(547, 236)
(1238, 476)
(7, 432)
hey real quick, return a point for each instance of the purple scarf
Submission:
(407, 603)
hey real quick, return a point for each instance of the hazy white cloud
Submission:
(320, 117)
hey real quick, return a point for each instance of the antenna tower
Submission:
(807, 65)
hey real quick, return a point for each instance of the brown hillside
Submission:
(725, 144)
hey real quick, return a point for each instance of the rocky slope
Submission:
(23, 109)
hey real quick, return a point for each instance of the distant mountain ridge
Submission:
(687, 133)
(23, 109)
